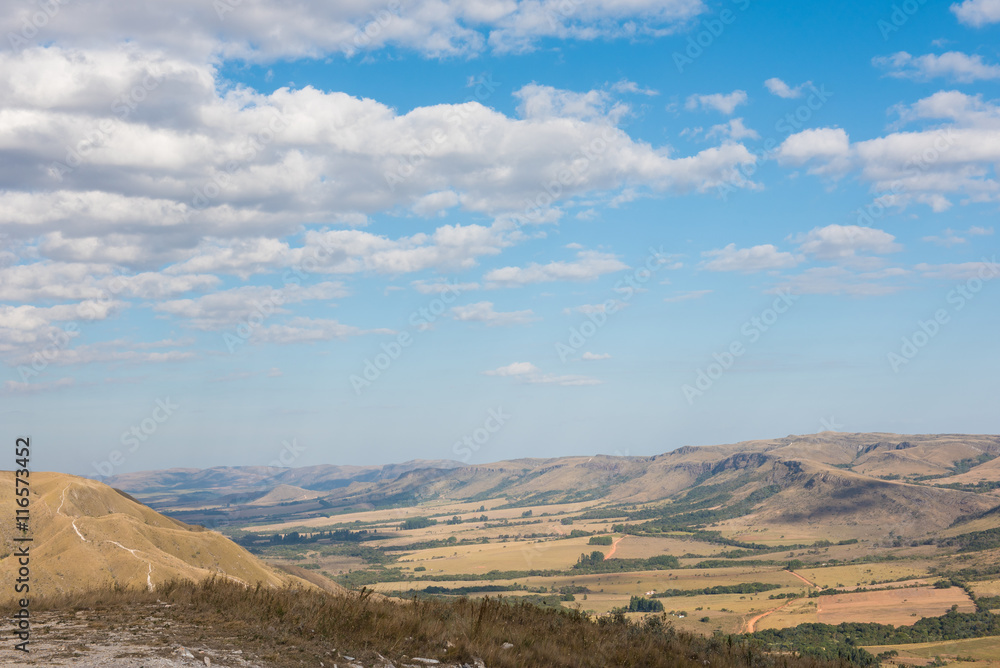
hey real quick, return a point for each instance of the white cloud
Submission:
(844, 243)
(626, 86)
(952, 156)
(514, 369)
(484, 312)
(29, 329)
(734, 129)
(962, 271)
(778, 87)
(118, 351)
(747, 260)
(228, 308)
(977, 13)
(725, 103)
(952, 65)
(309, 330)
(591, 357)
(588, 266)
(527, 372)
(312, 29)
(542, 102)
(17, 387)
(829, 144)
(138, 198)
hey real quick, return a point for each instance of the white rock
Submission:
(507, 645)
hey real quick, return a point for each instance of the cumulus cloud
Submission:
(626, 86)
(748, 260)
(528, 373)
(18, 387)
(485, 313)
(310, 29)
(952, 155)
(778, 87)
(309, 330)
(953, 65)
(227, 308)
(951, 237)
(725, 103)
(198, 159)
(977, 13)
(961, 271)
(588, 266)
(592, 357)
(845, 243)
(734, 129)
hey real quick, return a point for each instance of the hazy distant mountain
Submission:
(189, 486)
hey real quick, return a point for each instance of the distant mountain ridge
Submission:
(908, 484)
(246, 483)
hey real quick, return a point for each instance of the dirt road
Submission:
(751, 625)
(811, 584)
(614, 546)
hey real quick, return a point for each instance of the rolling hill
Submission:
(87, 534)
(852, 484)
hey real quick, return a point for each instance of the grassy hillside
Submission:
(285, 627)
(88, 535)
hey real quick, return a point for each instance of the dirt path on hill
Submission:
(614, 546)
(149, 564)
(751, 625)
(811, 584)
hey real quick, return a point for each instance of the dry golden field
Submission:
(897, 606)
(984, 651)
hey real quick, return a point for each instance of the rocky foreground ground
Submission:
(102, 639)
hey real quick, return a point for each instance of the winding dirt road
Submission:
(751, 625)
(811, 584)
(614, 546)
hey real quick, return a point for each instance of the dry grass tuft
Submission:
(287, 626)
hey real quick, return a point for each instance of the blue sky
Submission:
(252, 232)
